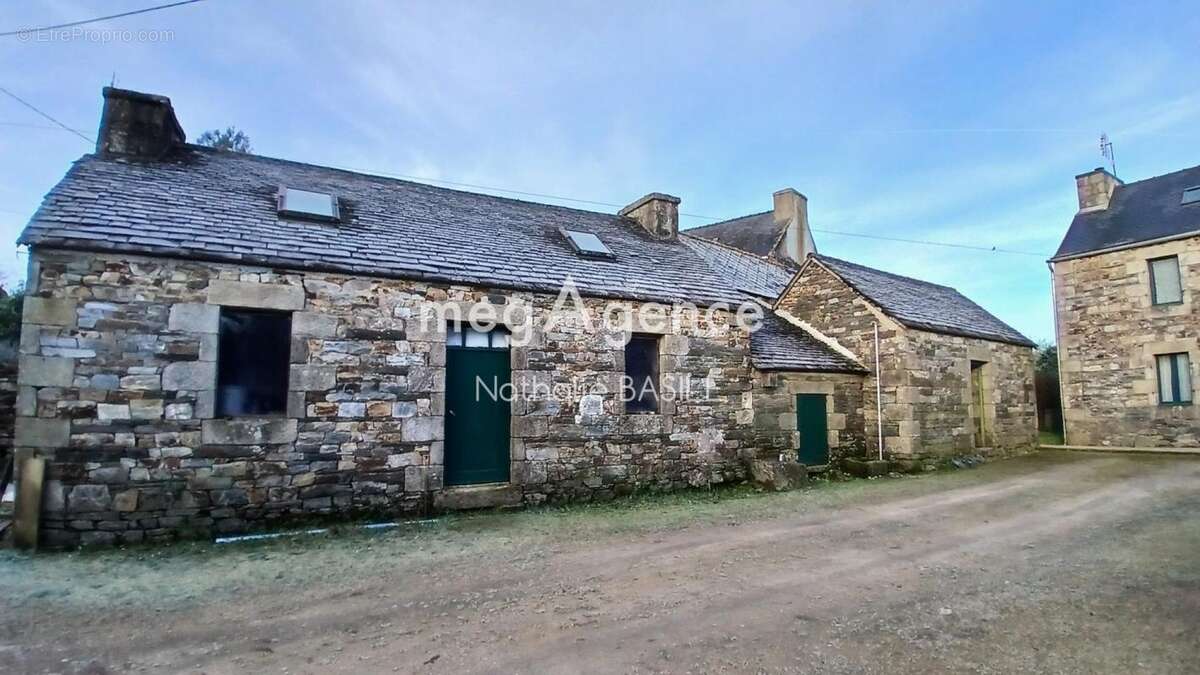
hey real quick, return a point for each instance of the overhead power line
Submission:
(593, 202)
(37, 110)
(989, 249)
(590, 202)
(83, 22)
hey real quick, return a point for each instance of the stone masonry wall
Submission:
(925, 386)
(117, 385)
(937, 388)
(1109, 333)
(821, 299)
(775, 412)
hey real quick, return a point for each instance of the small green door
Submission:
(813, 425)
(477, 431)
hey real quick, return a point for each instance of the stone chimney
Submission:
(1095, 189)
(791, 212)
(137, 124)
(656, 212)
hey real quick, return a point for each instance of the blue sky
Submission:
(958, 122)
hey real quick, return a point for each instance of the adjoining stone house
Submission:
(954, 378)
(214, 340)
(1126, 313)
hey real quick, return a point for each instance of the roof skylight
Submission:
(1191, 195)
(306, 204)
(588, 244)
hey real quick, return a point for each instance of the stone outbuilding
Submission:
(1126, 314)
(953, 378)
(215, 341)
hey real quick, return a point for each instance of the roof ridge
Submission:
(382, 177)
(821, 256)
(727, 220)
(1161, 175)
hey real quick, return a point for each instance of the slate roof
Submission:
(199, 203)
(1141, 211)
(924, 305)
(778, 344)
(756, 233)
(744, 271)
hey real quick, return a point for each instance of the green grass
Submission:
(198, 572)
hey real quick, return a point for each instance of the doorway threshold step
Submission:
(485, 496)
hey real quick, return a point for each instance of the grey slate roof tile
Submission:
(780, 345)
(745, 271)
(924, 305)
(777, 344)
(221, 206)
(756, 233)
(1140, 211)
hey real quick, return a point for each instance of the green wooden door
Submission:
(813, 425)
(477, 431)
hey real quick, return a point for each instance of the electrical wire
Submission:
(37, 110)
(83, 22)
(592, 202)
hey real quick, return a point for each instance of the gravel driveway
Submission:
(1053, 562)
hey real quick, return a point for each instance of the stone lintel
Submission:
(283, 297)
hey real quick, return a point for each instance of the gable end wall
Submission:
(925, 377)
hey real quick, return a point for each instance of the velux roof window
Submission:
(1191, 195)
(309, 205)
(587, 244)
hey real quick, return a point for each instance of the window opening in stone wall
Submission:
(252, 362)
(1166, 286)
(1174, 379)
(641, 374)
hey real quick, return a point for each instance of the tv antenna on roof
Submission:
(1106, 151)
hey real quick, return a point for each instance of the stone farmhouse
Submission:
(1126, 315)
(214, 341)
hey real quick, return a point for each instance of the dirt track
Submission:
(1048, 563)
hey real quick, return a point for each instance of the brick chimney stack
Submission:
(1095, 189)
(137, 124)
(657, 212)
(791, 213)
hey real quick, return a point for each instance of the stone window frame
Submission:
(1145, 390)
(1154, 301)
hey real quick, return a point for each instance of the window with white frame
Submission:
(466, 336)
